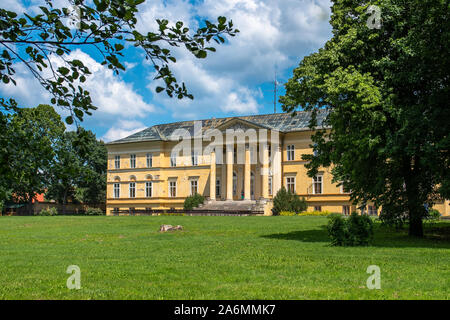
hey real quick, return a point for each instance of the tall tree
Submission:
(105, 26)
(386, 91)
(33, 134)
(78, 172)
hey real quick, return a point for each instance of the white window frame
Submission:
(132, 189)
(290, 152)
(346, 210)
(173, 159)
(149, 160)
(194, 158)
(314, 183)
(117, 162)
(371, 209)
(116, 190)
(193, 185)
(174, 187)
(132, 161)
(149, 189)
(288, 183)
(270, 184)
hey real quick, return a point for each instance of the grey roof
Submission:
(283, 122)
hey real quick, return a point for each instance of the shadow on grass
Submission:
(437, 236)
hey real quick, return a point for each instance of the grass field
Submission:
(213, 258)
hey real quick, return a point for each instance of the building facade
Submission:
(229, 159)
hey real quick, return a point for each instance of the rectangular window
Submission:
(117, 162)
(270, 186)
(372, 211)
(132, 189)
(194, 187)
(116, 211)
(149, 160)
(318, 208)
(172, 189)
(290, 152)
(346, 210)
(194, 158)
(148, 189)
(218, 188)
(173, 160)
(317, 184)
(132, 161)
(116, 190)
(290, 184)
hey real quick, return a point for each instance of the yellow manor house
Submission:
(237, 163)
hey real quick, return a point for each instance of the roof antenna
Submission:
(275, 83)
(275, 93)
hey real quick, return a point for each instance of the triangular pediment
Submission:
(237, 123)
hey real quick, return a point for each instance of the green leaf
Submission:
(69, 120)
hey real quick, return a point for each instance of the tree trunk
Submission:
(415, 207)
(30, 205)
(415, 222)
(64, 203)
(415, 204)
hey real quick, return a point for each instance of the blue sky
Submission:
(235, 80)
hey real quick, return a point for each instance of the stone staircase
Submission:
(231, 205)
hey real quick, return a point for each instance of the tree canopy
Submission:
(42, 158)
(386, 90)
(106, 26)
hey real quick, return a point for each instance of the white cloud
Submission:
(274, 34)
(122, 129)
(115, 98)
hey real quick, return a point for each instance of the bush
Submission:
(354, 231)
(287, 213)
(432, 216)
(94, 212)
(287, 201)
(194, 201)
(315, 213)
(48, 212)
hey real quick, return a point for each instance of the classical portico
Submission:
(248, 180)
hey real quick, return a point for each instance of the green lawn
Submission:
(213, 258)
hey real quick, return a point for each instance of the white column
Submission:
(212, 176)
(277, 174)
(247, 176)
(229, 173)
(265, 173)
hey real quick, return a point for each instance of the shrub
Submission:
(287, 213)
(354, 231)
(337, 230)
(194, 201)
(94, 212)
(48, 212)
(315, 213)
(360, 230)
(287, 201)
(434, 214)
